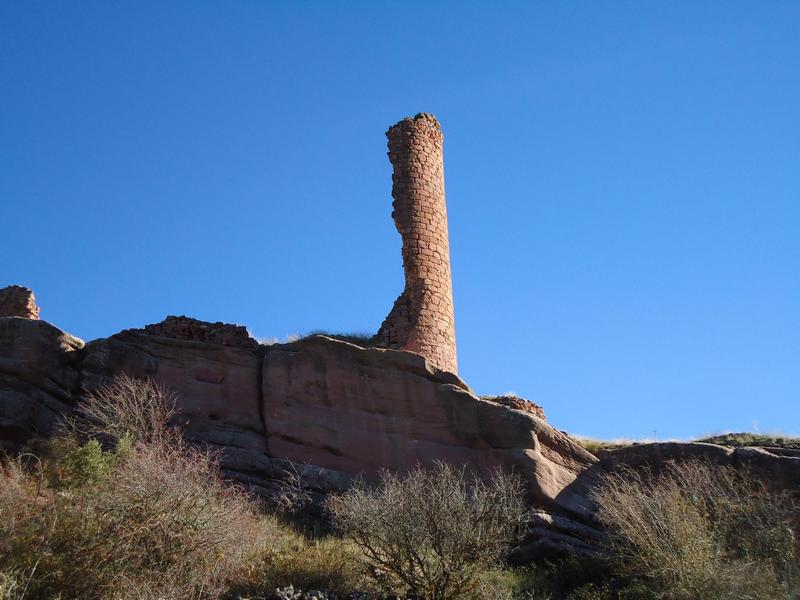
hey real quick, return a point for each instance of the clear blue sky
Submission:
(623, 183)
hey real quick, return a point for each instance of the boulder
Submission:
(657, 454)
(38, 377)
(779, 471)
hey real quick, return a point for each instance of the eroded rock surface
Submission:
(517, 403)
(18, 301)
(778, 468)
(322, 411)
(38, 378)
(358, 410)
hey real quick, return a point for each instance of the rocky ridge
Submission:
(319, 412)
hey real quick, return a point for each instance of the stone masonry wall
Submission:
(186, 328)
(422, 319)
(18, 301)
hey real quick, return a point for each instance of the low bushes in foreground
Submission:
(124, 508)
(432, 532)
(150, 517)
(698, 531)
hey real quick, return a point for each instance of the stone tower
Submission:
(422, 317)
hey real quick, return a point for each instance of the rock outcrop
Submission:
(319, 409)
(18, 301)
(517, 403)
(319, 412)
(358, 410)
(38, 378)
(777, 467)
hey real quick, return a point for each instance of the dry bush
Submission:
(27, 519)
(151, 518)
(163, 517)
(702, 531)
(430, 533)
(9, 587)
(139, 408)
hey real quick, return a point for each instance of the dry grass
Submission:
(701, 531)
(594, 446)
(327, 563)
(358, 338)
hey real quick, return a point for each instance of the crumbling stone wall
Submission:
(186, 328)
(18, 301)
(422, 319)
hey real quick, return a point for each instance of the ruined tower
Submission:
(422, 317)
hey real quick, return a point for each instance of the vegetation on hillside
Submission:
(594, 446)
(699, 531)
(121, 507)
(432, 533)
(129, 507)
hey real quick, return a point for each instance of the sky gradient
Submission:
(623, 186)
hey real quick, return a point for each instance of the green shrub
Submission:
(432, 532)
(701, 531)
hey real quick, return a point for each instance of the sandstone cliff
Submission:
(327, 411)
(324, 408)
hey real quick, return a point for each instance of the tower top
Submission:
(424, 121)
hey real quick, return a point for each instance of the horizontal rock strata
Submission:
(319, 412)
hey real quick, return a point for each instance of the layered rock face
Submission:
(38, 378)
(779, 468)
(322, 408)
(326, 411)
(18, 301)
(422, 319)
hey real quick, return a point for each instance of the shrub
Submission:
(139, 408)
(163, 518)
(701, 531)
(149, 518)
(431, 532)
